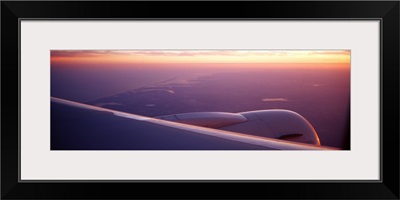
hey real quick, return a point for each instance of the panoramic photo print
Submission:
(200, 99)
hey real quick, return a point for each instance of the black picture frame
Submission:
(386, 11)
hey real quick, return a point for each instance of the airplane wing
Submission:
(78, 126)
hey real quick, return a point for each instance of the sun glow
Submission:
(254, 58)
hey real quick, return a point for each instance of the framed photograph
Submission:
(290, 96)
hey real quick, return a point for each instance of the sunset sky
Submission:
(187, 58)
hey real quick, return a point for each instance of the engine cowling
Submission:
(279, 124)
(274, 123)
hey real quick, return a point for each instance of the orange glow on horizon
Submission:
(239, 58)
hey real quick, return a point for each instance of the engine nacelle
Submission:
(279, 124)
(275, 123)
